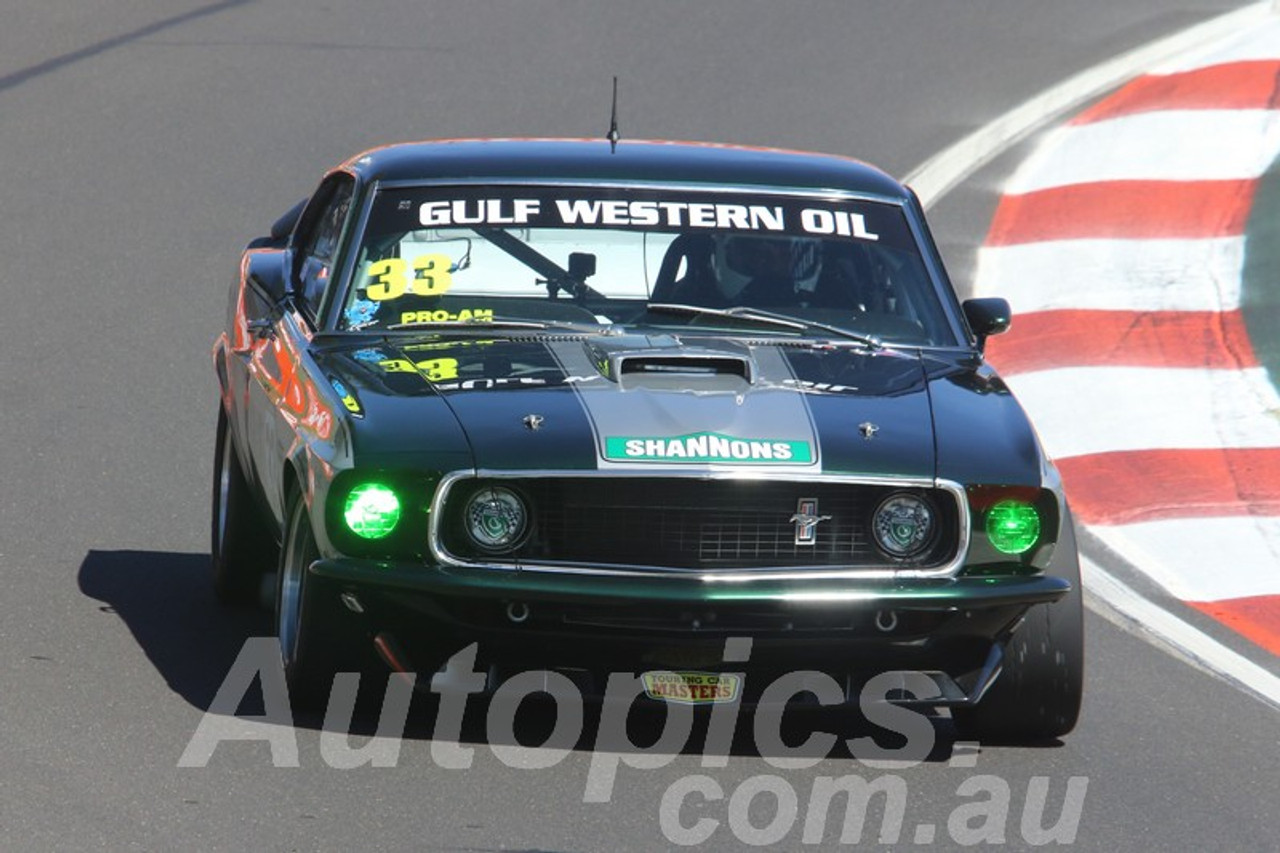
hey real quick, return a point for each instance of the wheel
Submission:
(318, 636)
(242, 549)
(1037, 696)
(308, 660)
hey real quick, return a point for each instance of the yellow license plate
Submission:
(692, 688)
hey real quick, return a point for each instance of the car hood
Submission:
(634, 402)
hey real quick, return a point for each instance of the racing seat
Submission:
(847, 282)
(686, 275)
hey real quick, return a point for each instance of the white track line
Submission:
(1085, 410)
(1248, 44)
(1147, 618)
(1116, 275)
(1168, 145)
(942, 172)
(1187, 558)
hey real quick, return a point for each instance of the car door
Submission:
(281, 401)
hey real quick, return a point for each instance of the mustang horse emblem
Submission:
(806, 520)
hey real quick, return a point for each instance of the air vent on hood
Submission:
(690, 366)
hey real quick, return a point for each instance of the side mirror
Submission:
(266, 275)
(987, 316)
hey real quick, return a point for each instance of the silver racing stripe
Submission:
(760, 423)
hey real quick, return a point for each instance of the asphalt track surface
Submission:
(146, 142)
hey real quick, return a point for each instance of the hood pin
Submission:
(868, 429)
(532, 422)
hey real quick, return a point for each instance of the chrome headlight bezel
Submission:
(904, 525)
(496, 519)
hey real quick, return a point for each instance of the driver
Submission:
(766, 271)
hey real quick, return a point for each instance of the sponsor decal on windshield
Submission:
(479, 315)
(489, 210)
(706, 447)
(428, 275)
(667, 214)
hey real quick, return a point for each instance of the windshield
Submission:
(449, 256)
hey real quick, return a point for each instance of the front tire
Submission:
(1038, 694)
(304, 649)
(318, 636)
(241, 547)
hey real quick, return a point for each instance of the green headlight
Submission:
(1013, 527)
(372, 510)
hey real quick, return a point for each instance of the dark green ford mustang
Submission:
(600, 410)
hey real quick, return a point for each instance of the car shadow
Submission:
(166, 600)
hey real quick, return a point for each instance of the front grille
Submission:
(697, 525)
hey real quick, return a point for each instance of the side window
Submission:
(320, 245)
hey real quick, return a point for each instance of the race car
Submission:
(602, 407)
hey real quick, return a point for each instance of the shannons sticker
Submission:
(707, 447)
(692, 688)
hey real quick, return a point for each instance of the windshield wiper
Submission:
(766, 318)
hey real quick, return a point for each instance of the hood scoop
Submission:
(684, 370)
(676, 367)
(690, 365)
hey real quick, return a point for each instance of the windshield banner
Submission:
(408, 209)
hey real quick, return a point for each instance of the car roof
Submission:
(648, 161)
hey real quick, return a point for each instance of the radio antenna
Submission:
(613, 135)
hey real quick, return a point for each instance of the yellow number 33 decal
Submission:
(393, 278)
